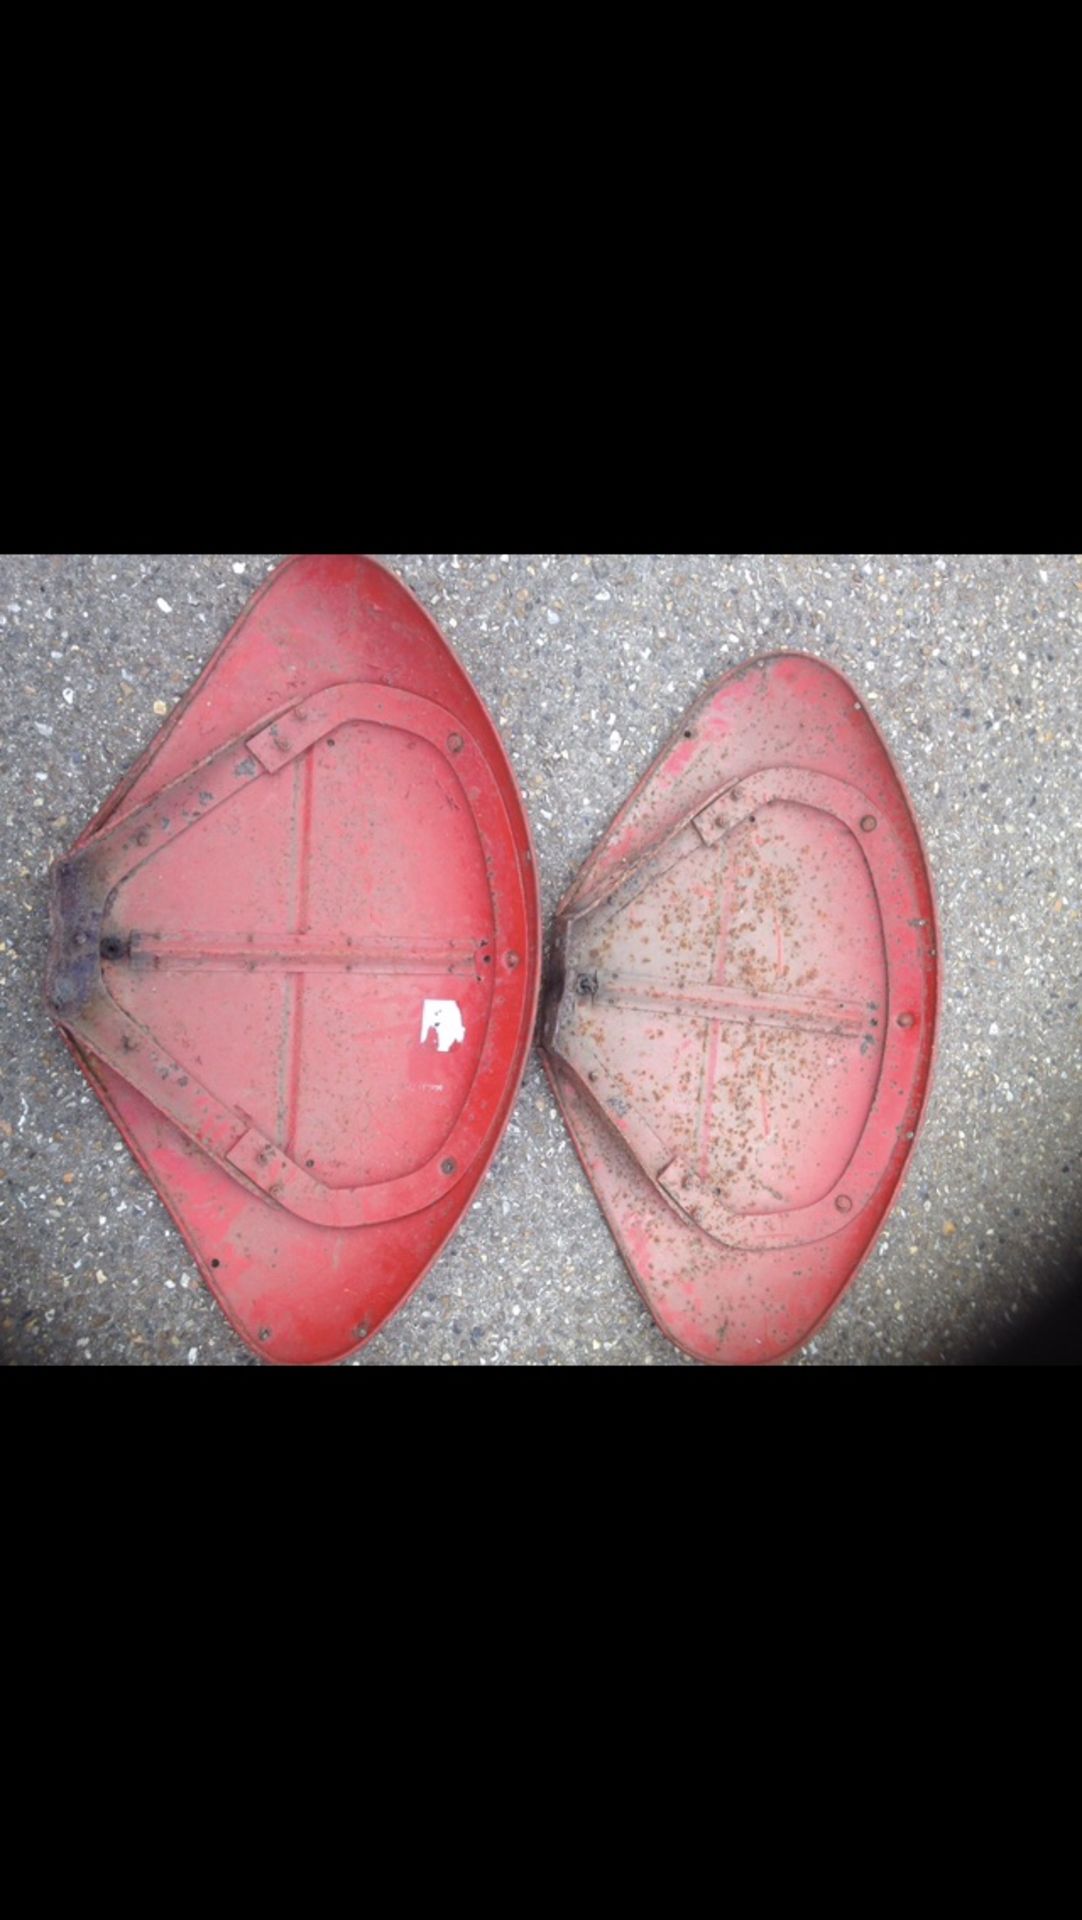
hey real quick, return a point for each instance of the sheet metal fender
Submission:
(741, 1010)
(297, 955)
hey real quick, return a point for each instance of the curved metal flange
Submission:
(78, 994)
(697, 1199)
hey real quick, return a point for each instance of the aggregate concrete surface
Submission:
(970, 664)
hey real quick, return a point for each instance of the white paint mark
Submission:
(444, 1019)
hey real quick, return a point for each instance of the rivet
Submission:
(455, 743)
(843, 1203)
(906, 1019)
(264, 1333)
(449, 1167)
(869, 823)
(513, 961)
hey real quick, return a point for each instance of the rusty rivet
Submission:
(843, 1203)
(869, 823)
(455, 743)
(513, 961)
(449, 1167)
(907, 1019)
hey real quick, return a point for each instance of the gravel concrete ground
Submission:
(971, 666)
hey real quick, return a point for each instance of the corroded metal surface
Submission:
(741, 1010)
(298, 956)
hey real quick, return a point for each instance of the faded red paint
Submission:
(741, 1021)
(324, 843)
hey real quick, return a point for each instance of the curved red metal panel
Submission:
(298, 956)
(741, 1016)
